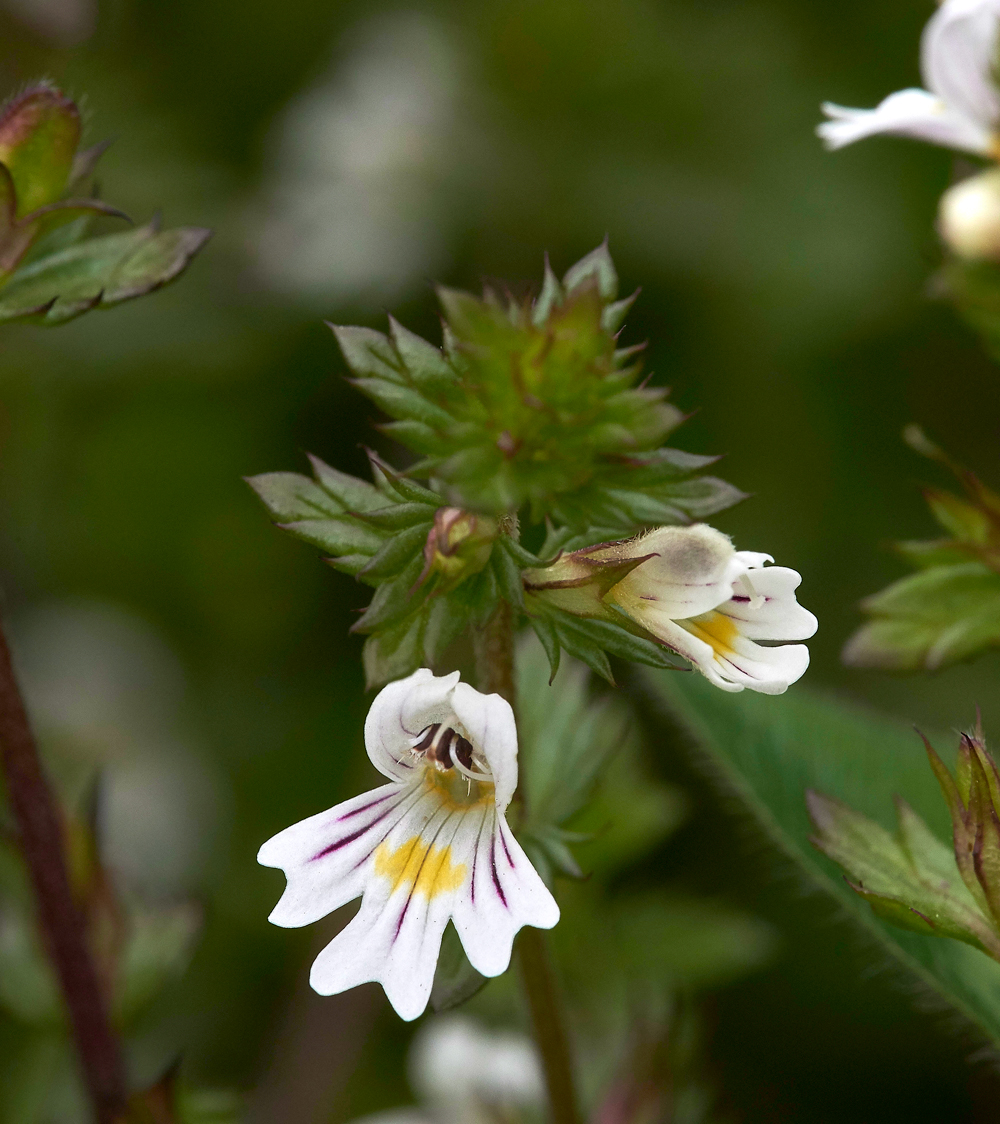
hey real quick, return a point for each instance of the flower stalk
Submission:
(494, 649)
(41, 840)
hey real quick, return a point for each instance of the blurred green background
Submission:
(347, 155)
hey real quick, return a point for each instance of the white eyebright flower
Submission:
(710, 603)
(430, 846)
(960, 107)
(456, 1063)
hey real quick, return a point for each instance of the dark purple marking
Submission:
(365, 807)
(505, 850)
(399, 923)
(350, 838)
(493, 868)
(739, 598)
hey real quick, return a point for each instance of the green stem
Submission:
(494, 647)
(546, 1017)
(41, 840)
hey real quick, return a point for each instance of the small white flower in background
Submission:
(969, 216)
(961, 106)
(432, 845)
(455, 1063)
(463, 1073)
(710, 603)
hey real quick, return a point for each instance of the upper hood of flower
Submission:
(692, 569)
(404, 709)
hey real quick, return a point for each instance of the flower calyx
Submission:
(912, 879)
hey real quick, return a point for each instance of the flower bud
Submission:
(458, 546)
(969, 216)
(39, 135)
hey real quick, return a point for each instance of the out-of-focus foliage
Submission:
(770, 760)
(569, 740)
(913, 879)
(48, 269)
(950, 609)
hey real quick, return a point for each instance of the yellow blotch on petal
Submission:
(716, 629)
(428, 869)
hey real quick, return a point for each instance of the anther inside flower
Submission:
(712, 604)
(960, 107)
(431, 846)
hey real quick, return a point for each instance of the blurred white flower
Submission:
(431, 846)
(969, 216)
(66, 22)
(359, 205)
(711, 604)
(464, 1073)
(454, 1061)
(960, 107)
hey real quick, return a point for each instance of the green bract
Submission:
(534, 406)
(389, 535)
(913, 879)
(48, 269)
(950, 609)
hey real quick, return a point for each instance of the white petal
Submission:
(958, 54)
(733, 662)
(504, 893)
(399, 713)
(907, 113)
(780, 616)
(325, 858)
(396, 935)
(770, 671)
(751, 559)
(489, 722)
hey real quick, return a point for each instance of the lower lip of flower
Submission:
(717, 630)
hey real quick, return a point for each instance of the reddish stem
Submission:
(41, 839)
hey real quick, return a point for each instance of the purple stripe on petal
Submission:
(493, 868)
(506, 851)
(365, 807)
(399, 923)
(348, 838)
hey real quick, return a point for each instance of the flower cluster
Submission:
(530, 412)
